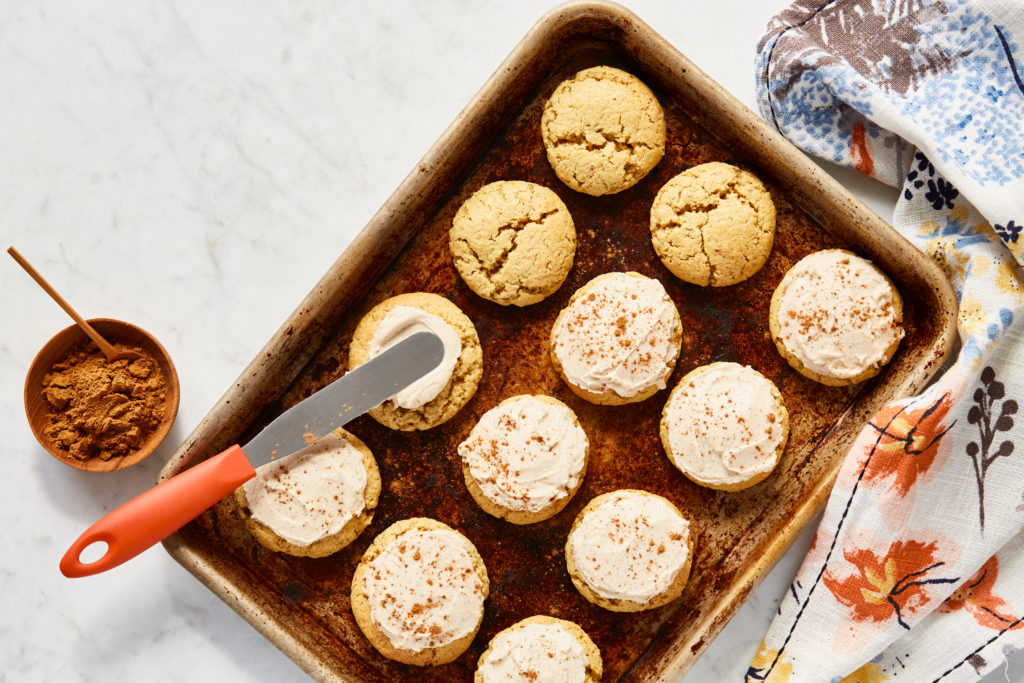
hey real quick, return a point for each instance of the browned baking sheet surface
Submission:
(421, 471)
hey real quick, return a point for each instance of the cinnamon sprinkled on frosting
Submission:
(619, 336)
(631, 547)
(836, 314)
(547, 653)
(424, 590)
(525, 453)
(311, 494)
(723, 424)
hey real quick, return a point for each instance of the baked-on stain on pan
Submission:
(302, 604)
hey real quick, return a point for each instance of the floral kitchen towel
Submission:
(917, 569)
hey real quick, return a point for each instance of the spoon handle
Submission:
(109, 351)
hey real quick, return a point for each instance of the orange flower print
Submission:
(895, 584)
(907, 442)
(859, 154)
(976, 596)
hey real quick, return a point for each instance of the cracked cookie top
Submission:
(713, 224)
(513, 242)
(603, 130)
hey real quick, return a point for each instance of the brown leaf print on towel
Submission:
(880, 42)
(983, 414)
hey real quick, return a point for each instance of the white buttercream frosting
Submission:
(619, 336)
(836, 314)
(405, 321)
(539, 652)
(310, 494)
(724, 424)
(526, 453)
(632, 546)
(423, 589)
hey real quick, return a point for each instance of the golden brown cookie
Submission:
(465, 376)
(530, 454)
(603, 130)
(540, 645)
(617, 340)
(836, 318)
(629, 551)
(423, 557)
(713, 224)
(334, 542)
(725, 426)
(513, 242)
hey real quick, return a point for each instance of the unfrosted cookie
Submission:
(542, 649)
(603, 130)
(617, 340)
(525, 458)
(836, 318)
(513, 242)
(713, 224)
(725, 426)
(418, 592)
(629, 550)
(314, 502)
(439, 395)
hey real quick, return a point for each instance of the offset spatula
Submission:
(165, 508)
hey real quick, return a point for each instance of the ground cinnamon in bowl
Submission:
(103, 409)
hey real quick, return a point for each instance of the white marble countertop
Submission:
(194, 167)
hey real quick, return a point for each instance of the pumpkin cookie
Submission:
(836, 318)
(314, 502)
(725, 426)
(513, 242)
(543, 649)
(617, 340)
(525, 458)
(440, 394)
(713, 224)
(629, 551)
(418, 592)
(603, 130)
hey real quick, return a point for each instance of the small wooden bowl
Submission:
(116, 332)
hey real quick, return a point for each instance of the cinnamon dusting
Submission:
(103, 409)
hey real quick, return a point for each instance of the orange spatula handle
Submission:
(159, 512)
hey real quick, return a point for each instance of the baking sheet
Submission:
(302, 604)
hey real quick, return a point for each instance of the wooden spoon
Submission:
(108, 350)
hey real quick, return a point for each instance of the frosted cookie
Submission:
(314, 502)
(617, 340)
(542, 649)
(836, 318)
(513, 242)
(418, 592)
(440, 394)
(603, 130)
(713, 224)
(725, 426)
(525, 458)
(629, 551)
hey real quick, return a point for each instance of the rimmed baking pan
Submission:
(302, 604)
